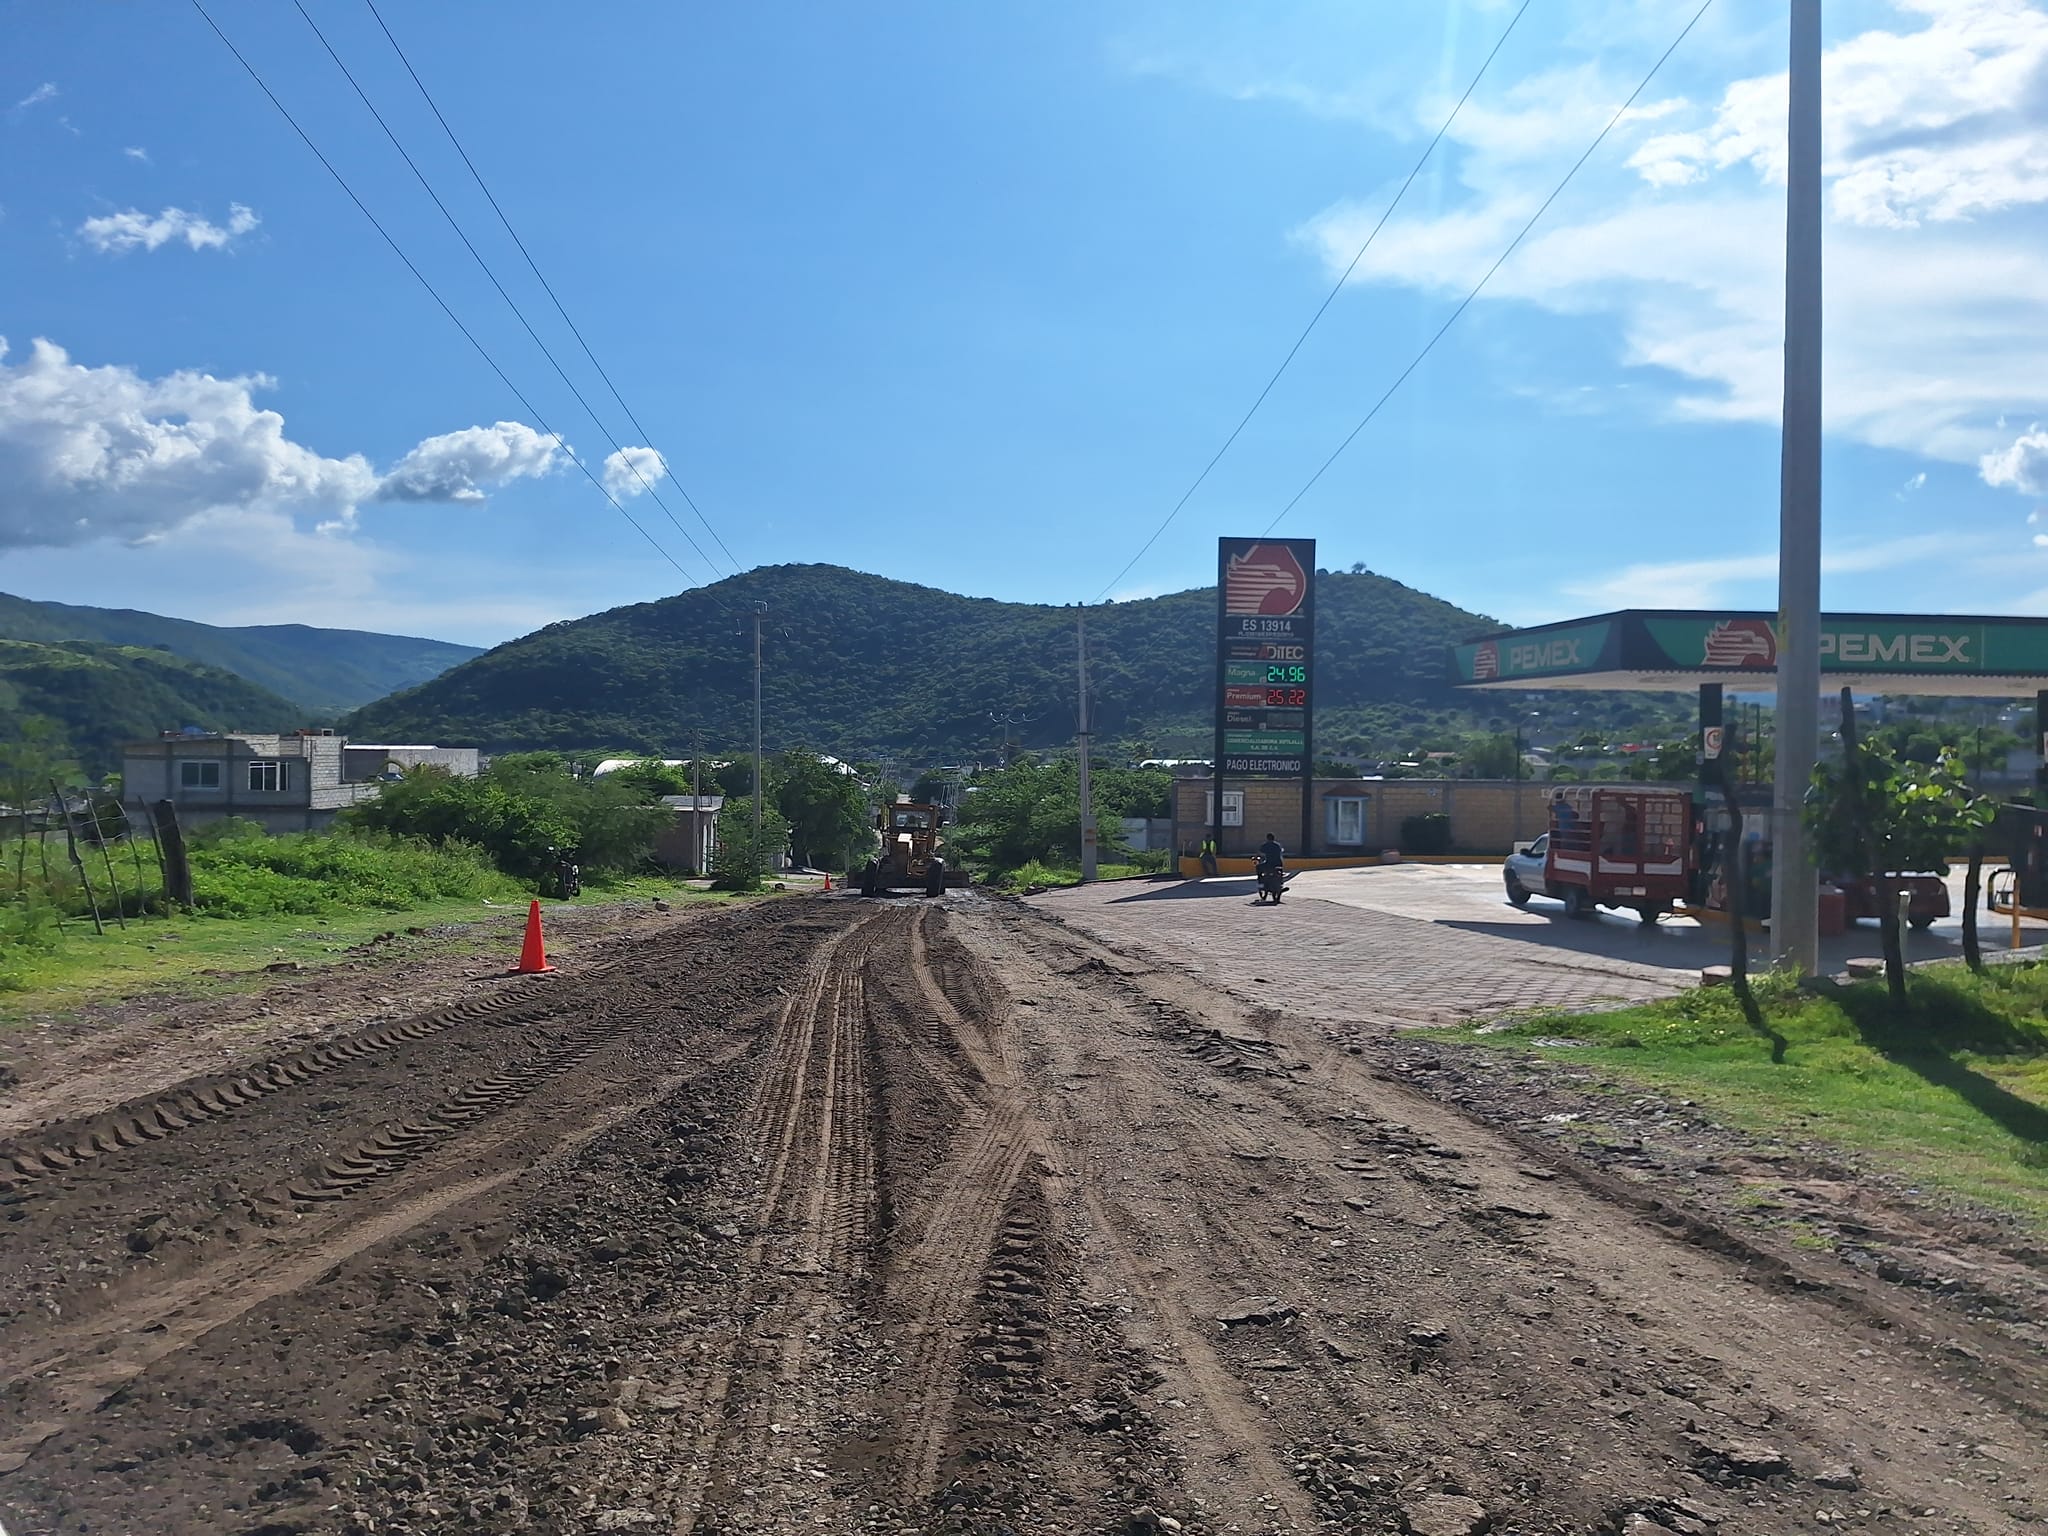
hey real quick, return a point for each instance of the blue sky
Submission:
(968, 294)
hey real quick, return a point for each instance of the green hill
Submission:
(862, 665)
(103, 695)
(323, 671)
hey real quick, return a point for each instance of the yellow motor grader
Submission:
(909, 857)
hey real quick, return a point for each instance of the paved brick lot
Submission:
(1348, 964)
(1433, 943)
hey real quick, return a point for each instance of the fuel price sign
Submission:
(1265, 661)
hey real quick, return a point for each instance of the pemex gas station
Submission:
(1714, 652)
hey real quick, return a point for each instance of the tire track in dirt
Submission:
(90, 1364)
(519, 1114)
(812, 1110)
(162, 1115)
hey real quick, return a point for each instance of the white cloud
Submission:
(633, 471)
(1706, 583)
(1937, 124)
(136, 152)
(1913, 484)
(88, 453)
(1935, 325)
(456, 466)
(105, 453)
(47, 91)
(132, 229)
(2023, 465)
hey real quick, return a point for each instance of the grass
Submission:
(1037, 873)
(1952, 1093)
(184, 954)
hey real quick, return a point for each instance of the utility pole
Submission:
(1795, 935)
(760, 612)
(697, 802)
(1087, 792)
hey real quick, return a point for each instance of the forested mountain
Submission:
(103, 695)
(323, 671)
(862, 665)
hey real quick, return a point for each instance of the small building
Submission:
(289, 782)
(691, 842)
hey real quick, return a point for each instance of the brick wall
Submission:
(1485, 818)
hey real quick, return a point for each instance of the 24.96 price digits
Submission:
(1276, 673)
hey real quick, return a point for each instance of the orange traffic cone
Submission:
(533, 955)
(828, 879)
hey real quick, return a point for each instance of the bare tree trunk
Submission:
(1973, 956)
(78, 864)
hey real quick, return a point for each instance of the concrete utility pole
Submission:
(1795, 925)
(1087, 791)
(760, 612)
(697, 802)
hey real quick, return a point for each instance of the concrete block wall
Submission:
(1488, 816)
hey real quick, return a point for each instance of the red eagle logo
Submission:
(1485, 661)
(1741, 643)
(1266, 581)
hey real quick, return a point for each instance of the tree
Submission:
(738, 861)
(1876, 815)
(1488, 757)
(825, 808)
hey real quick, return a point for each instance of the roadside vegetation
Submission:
(432, 844)
(1950, 1091)
(1021, 825)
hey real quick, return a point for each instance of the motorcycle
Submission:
(1272, 881)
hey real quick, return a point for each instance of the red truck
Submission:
(1619, 848)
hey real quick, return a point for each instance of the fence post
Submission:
(170, 844)
(78, 864)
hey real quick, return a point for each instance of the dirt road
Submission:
(833, 1216)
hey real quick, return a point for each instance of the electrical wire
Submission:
(1521, 235)
(534, 268)
(435, 295)
(1328, 299)
(511, 303)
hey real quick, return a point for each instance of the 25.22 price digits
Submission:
(1287, 698)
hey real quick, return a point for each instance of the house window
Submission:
(1233, 808)
(1345, 820)
(268, 777)
(198, 775)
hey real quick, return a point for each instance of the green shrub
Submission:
(1429, 833)
(737, 862)
(312, 872)
(227, 830)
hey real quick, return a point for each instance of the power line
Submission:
(1328, 299)
(1430, 345)
(511, 303)
(533, 267)
(435, 295)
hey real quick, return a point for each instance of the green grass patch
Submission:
(1952, 1092)
(1037, 873)
(182, 954)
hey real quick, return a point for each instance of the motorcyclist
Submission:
(1271, 860)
